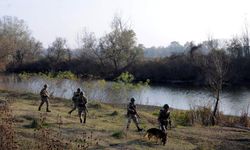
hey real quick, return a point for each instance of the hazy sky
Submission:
(156, 22)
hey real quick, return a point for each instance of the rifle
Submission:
(137, 114)
(134, 109)
(51, 95)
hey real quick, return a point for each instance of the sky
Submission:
(155, 22)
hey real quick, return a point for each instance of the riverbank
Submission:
(105, 127)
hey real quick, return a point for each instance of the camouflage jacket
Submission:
(164, 116)
(82, 101)
(44, 93)
(131, 109)
(75, 97)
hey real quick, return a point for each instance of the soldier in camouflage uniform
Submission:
(44, 98)
(82, 108)
(132, 114)
(75, 98)
(164, 118)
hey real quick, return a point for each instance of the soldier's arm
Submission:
(160, 115)
(170, 122)
(85, 100)
(130, 108)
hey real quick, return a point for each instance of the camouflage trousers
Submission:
(82, 112)
(44, 100)
(135, 120)
(164, 125)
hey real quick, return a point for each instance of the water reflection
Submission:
(233, 100)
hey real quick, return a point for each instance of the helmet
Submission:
(81, 93)
(166, 106)
(78, 90)
(45, 85)
(132, 99)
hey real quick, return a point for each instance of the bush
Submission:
(114, 113)
(200, 115)
(180, 118)
(118, 134)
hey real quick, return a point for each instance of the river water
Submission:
(233, 101)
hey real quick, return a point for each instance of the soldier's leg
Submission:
(163, 127)
(135, 120)
(129, 121)
(80, 115)
(47, 105)
(85, 115)
(41, 104)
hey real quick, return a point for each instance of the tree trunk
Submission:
(216, 107)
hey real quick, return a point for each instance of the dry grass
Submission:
(105, 128)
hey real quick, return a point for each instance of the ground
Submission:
(105, 128)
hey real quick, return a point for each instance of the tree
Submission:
(216, 67)
(116, 51)
(235, 48)
(119, 48)
(58, 51)
(16, 43)
(245, 42)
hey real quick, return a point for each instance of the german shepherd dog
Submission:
(158, 134)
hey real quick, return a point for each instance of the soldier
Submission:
(75, 98)
(164, 118)
(132, 114)
(82, 108)
(44, 98)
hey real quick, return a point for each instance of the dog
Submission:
(158, 134)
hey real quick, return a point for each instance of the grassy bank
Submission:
(105, 127)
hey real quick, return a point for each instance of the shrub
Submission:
(114, 113)
(200, 115)
(7, 130)
(118, 134)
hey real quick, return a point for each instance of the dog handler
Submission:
(164, 118)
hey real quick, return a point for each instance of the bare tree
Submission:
(235, 48)
(59, 51)
(16, 43)
(245, 41)
(216, 67)
(116, 50)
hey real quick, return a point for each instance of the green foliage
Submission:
(65, 75)
(118, 134)
(125, 84)
(180, 118)
(126, 78)
(155, 113)
(49, 75)
(114, 113)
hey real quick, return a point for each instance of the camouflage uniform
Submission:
(132, 114)
(164, 118)
(75, 98)
(44, 98)
(82, 108)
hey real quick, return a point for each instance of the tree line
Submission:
(118, 51)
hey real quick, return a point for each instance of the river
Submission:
(233, 101)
